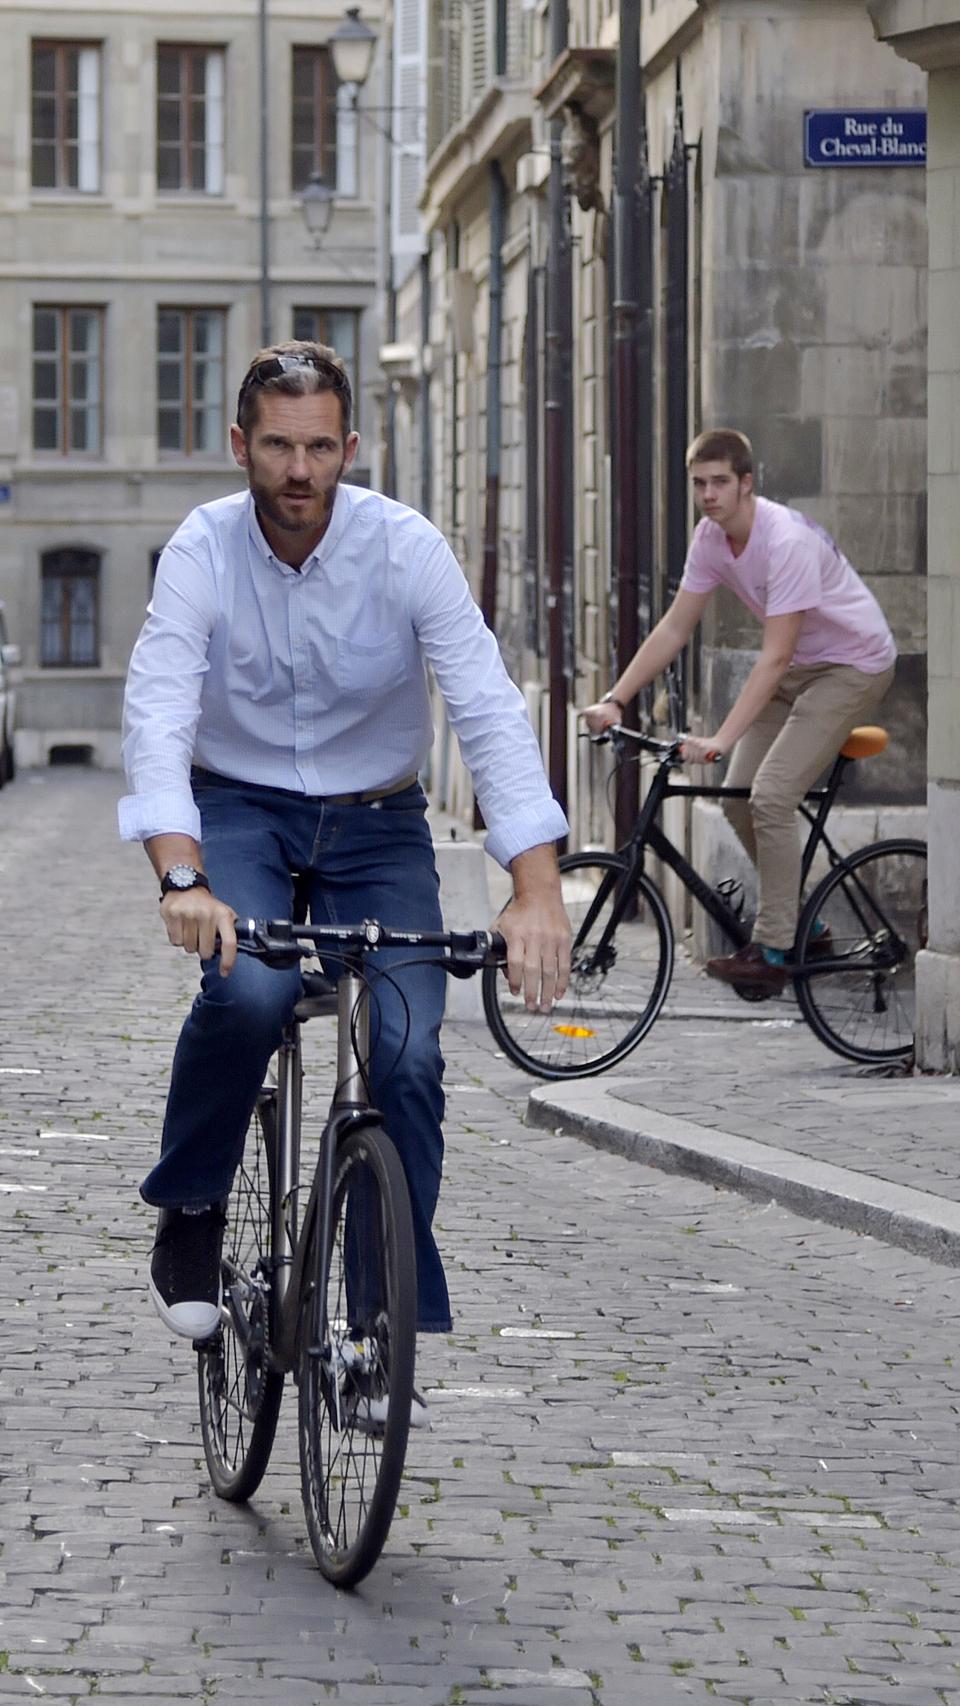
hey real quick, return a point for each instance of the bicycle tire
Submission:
(240, 1393)
(356, 1357)
(875, 904)
(606, 1011)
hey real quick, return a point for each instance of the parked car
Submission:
(9, 659)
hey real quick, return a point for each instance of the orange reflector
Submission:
(573, 1031)
(865, 742)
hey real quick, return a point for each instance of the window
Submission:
(190, 119)
(339, 328)
(67, 380)
(69, 608)
(314, 117)
(190, 378)
(65, 88)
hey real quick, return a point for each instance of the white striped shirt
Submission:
(315, 679)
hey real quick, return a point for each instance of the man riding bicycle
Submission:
(277, 714)
(826, 660)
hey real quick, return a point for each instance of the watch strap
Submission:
(167, 887)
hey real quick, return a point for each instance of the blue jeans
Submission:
(370, 861)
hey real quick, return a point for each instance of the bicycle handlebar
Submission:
(668, 751)
(617, 734)
(464, 951)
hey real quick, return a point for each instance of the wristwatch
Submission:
(179, 878)
(611, 699)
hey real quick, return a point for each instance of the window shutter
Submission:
(480, 56)
(409, 127)
(214, 117)
(88, 118)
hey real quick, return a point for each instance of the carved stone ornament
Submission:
(581, 156)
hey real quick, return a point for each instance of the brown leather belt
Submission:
(369, 794)
(364, 797)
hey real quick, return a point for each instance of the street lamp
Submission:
(316, 201)
(352, 44)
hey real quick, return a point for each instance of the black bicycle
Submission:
(852, 963)
(330, 1295)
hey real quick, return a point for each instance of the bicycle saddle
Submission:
(865, 742)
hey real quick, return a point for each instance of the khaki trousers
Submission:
(779, 757)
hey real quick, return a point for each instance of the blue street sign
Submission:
(865, 137)
(6, 494)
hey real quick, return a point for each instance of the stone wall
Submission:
(814, 335)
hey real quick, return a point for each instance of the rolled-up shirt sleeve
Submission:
(162, 699)
(487, 711)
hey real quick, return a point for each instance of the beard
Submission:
(268, 504)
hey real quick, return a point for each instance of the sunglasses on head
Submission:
(273, 366)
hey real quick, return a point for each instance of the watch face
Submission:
(181, 876)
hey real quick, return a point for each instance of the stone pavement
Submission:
(687, 1447)
(745, 1096)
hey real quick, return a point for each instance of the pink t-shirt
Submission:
(791, 564)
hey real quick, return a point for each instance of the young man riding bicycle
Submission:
(827, 658)
(277, 714)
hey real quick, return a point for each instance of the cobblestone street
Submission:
(686, 1447)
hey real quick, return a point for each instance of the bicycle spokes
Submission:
(240, 1392)
(356, 1367)
(621, 961)
(857, 946)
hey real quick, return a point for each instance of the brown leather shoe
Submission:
(749, 966)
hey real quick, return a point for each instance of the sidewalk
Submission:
(744, 1097)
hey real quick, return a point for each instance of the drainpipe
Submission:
(557, 430)
(426, 425)
(265, 327)
(491, 529)
(626, 470)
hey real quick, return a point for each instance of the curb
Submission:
(913, 1220)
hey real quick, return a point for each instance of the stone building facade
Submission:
(150, 245)
(927, 35)
(662, 266)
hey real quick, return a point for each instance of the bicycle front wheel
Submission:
(618, 978)
(239, 1391)
(862, 1005)
(357, 1347)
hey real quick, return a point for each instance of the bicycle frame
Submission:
(350, 1108)
(648, 834)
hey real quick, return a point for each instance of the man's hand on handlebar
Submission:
(195, 919)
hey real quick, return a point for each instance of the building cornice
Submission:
(499, 123)
(927, 32)
(582, 76)
(666, 32)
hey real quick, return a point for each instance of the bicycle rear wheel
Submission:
(358, 1341)
(874, 903)
(239, 1392)
(617, 985)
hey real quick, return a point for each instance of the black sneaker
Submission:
(185, 1270)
